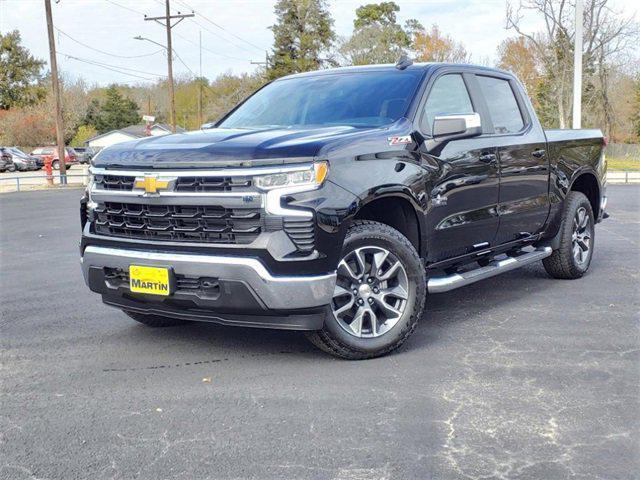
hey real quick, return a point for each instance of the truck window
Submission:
(448, 96)
(367, 99)
(502, 104)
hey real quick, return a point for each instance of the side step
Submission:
(496, 267)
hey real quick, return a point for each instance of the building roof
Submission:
(138, 131)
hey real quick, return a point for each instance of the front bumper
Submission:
(246, 293)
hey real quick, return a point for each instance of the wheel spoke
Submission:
(373, 318)
(576, 252)
(361, 261)
(356, 323)
(345, 269)
(397, 292)
(389, 312)
(390, 272)
(344, 308)
(583, 245)
(585, 220)
(378, 260)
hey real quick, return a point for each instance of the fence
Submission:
(19, 183)
(623, 150)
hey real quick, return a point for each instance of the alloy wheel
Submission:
(371, 292)
(581, 237)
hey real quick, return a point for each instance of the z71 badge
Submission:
(403, 140)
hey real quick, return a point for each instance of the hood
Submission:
(222, 147)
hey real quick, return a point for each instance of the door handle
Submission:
(488, 157)
(538, 153)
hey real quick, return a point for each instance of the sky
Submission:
(234, 32)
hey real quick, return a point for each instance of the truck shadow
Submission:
(208, 339)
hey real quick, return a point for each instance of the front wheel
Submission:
(55, 164)
(379, 295)
(573, 256)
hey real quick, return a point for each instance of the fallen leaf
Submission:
(158, 409)
(206, 380)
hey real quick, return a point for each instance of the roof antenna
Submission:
(403, 62)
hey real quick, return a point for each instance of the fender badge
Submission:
(402, 140)
(439, 201)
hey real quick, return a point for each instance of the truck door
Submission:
(462, 180)
(523, 204)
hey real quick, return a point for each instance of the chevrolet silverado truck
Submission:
(333, 202)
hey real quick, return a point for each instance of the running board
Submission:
(456, 280)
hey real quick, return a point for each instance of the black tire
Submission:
(563, 262)
(155, 321)
(11, 168)
(334, 339)
(55, 164)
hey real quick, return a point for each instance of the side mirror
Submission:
(457, 126)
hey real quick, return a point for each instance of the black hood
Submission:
(222, 147)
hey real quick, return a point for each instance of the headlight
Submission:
(312, 177)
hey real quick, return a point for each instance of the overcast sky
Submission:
(240, 33)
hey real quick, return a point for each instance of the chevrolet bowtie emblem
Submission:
(151, 184)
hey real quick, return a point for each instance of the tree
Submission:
(635, 116)
(608, 37)
(377, 37)
(302, 34)
(115, 112)
(435, 46)
(84, 133)
(19, 74)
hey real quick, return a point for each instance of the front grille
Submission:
(213, 184)
(201, 184)
(301, 233)
(206, 224)
(114, 182)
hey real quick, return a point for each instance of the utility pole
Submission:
(56, 94)
(165, 21)
(577, 66)
(200, 86)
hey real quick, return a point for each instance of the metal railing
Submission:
(26, 180)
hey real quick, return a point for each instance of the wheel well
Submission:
(396, 212)
(587, 184)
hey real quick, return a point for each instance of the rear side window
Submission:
(502, 104)
(448, 96)
(47, 151)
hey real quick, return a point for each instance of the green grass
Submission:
(616, 164)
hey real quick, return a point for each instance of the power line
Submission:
(209, 50)
(220, 26)
(108, 65)
(126, 8)
(102, 51)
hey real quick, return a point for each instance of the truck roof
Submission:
(424, 66)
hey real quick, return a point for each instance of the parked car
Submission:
(51, 153)
(6, 163)
(21, 160)
(333, 201)
(85, 154)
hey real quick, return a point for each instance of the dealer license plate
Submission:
(149, 280)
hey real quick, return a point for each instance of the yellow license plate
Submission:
(150, 280)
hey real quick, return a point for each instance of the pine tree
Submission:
(302, 34)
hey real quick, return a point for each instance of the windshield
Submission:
(18, 153)
(365, 99)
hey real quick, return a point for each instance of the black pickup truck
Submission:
(333, 201)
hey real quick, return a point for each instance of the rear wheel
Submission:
(379, 295)
(55, 164)
(573, 256)
(154, 320)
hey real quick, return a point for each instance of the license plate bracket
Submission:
(151, 280)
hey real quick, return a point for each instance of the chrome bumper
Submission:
(273, 292)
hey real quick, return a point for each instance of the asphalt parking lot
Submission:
(518, 377)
